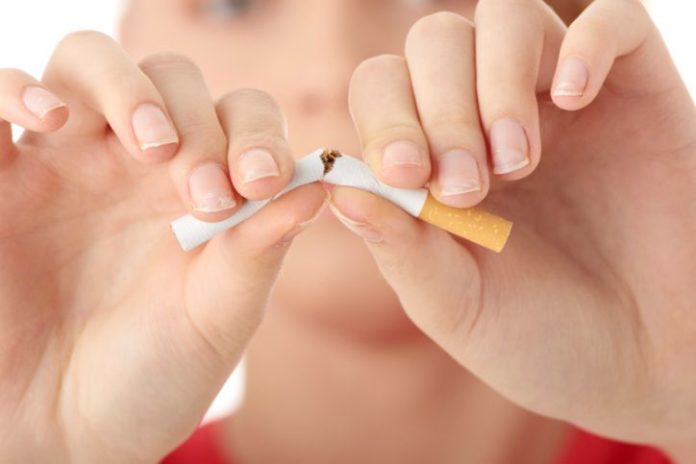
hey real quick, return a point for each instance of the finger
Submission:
(384, 112)
(28, 103)
(199, 170)
(105, 88)
(411, 256)
(259, 155)
(605, 32)
(514, 45)
(440, 56)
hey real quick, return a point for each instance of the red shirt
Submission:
(583, 448)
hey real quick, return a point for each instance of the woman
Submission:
(387, 342)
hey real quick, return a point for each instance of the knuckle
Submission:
(638, 8)
(597, 29)
(256, 139)
(79, 38)
(259, 109)
(452, 116)
(465, 126)
(532, 13)
(498, 5)
(246, 96)
(169, 61)
(202, 136)
(494, 10)
(12, 74)
(379, 64)
(636, 5)
(376, 138)
(437, 24)
(206, 145)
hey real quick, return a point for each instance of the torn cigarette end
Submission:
(328, 157)
(476, 225)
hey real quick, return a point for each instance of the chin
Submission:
(329, 280)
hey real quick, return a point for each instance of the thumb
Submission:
(229, 282)
(427, 268)
(161, 358)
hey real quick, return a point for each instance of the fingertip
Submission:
(571, 89)
(223, 212)
(55, 118)
(281, 221)
(462, 200)
(354, 204)
(260, 172)
(573, 103)
(157, 138)
(518, 174)
(157, 153)
(259, 156)
(405, 177)
(460, 179)
(304, 203)
(48, 112)
(373, 218)
(514, 155)
(208, 192)
(401, 164)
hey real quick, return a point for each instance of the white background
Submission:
(30, 29)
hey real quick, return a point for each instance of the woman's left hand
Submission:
(589, 314)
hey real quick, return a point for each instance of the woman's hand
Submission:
(589, 314)
(114, 341)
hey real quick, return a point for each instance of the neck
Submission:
(314, 397)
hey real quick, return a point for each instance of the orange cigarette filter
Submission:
(473, 224)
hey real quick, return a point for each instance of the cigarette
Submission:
(334, 167)
(191, 232)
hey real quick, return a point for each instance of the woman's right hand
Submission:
(114, 341)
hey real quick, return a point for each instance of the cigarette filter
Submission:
(473, 224)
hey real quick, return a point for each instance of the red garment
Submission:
(583, 448)
(200, 448)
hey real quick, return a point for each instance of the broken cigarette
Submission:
(473, 224)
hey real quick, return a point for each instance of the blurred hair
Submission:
(569, 9)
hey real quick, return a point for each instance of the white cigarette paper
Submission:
(191, 232)
(476, 225)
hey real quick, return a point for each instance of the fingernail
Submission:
(364, 230)
(402, 153)
(257, 164)
(302, 226)
(40, 101)
(572, 78)
(458, 173)
(210, 189)
(152, 128)
(509, 145)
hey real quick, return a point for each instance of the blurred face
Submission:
(303, 53)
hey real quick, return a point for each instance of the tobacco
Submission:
(328, 157)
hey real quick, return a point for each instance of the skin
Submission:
(582, 319)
